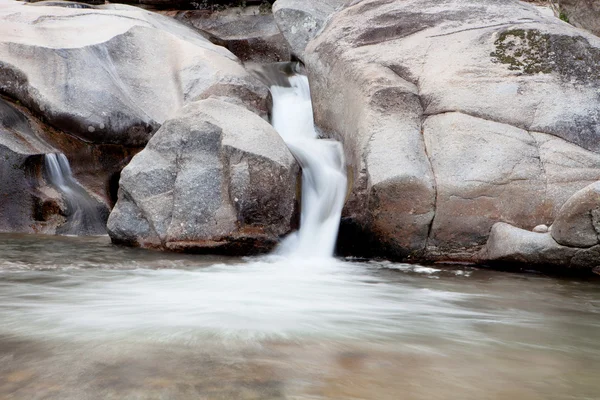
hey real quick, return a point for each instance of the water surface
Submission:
(82, 319)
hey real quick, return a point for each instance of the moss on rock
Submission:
(533, 52)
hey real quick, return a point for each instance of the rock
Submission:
(541, 229)
(30, 203)
(111, 74)
(455, 118)
(301, 20)
(578, 222)
(95, 83)
(247, 32)
(508, 244)
(583, 14)
(215, 178)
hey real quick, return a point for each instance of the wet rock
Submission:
(29, 201)
(578, 222)
(455, 118)
(249, 33)
(216, 178)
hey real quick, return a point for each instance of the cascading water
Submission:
(83, 211)
(323, 167)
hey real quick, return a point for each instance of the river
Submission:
(83, 319)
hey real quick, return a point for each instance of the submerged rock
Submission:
(454, 118)
(215, 178)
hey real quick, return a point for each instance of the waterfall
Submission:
(83, 216)
(323, 168)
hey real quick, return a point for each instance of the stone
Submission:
(30, 203)
(112, 73)
(95, 83)
(248, 32)
(578, 221)
(455, 117)
(541, 229)
(215, 178)
(301, 20)
(583, 14)
(508, 244)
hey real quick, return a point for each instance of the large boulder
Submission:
(113, 73)
(582, 13)
(455, 117)
(95, 83)
(215, 178)
(301, 20)
(248, 32)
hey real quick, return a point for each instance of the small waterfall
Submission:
(83, 211)
(323, 167)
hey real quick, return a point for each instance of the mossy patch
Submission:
(533, 52)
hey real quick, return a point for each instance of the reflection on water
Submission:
(81, 319)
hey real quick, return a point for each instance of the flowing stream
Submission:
(323, 170)
(83, 211)
(82, 319)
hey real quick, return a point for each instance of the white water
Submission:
(323, 171)
(83, 216)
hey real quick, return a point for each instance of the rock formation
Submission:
(96, 83)
(454, 118)
(215, 178)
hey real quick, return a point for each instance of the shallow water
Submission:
(82, 319)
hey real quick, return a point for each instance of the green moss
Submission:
(526, 51)
(532, 52)
(563, 16)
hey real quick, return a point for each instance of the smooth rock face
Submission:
(112, 74)
(583, 14)
(508, 244)
(455, 116)
(301, 20)
(578, 222)
(215, 178)
(249, 33)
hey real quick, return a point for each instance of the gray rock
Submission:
(301, 20)
(508, 244)
(439, 117)
(578, 222)
(541, 229)
(112, 74)
(215, 178)
(247, 32)
(583, 14)
(30, 203)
